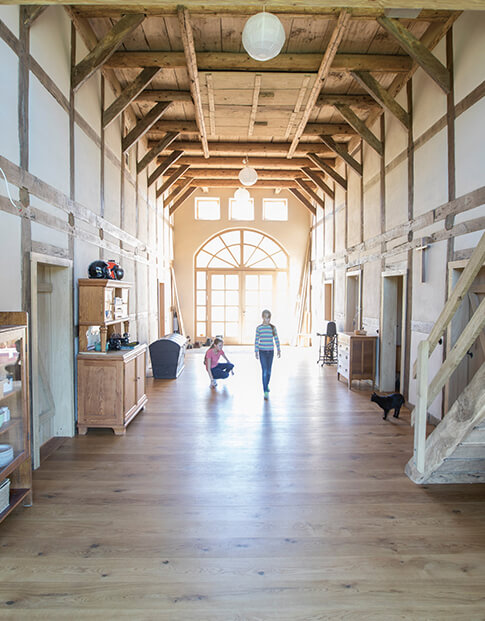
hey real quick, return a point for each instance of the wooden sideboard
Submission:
(111, 388)
(356, 357)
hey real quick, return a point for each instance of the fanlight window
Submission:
(241, 249)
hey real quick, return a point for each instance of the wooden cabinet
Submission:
(111, 388)
(15, 462)
(356, 357)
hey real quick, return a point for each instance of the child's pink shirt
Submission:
(213, 355)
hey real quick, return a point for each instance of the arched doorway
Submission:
(238, 273)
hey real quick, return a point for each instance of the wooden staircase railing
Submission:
(426, 394)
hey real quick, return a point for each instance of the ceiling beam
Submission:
(359, 101)
(323, 71)
(129, 93)
(159, 95)
(261, 163)
(381, 95)
(189, 126)
(315, 177)
(191, 61)
(176, 191)
(31, 13)
(296, 109)
(105, 48)
(361, 128)
(164, 166)
(185, 196)
(342, 152)
(283, 63)
(419, 52)
(327, 169)
(144, 125)
(234, 183)
(212, 106)
(176, 174)
(304, 186)
(155, 150)
(232, 173)
(254, 106)
(303, 200)
(242, 149)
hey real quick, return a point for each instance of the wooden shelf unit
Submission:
(356, 357)
(111, 384)
(16, 432)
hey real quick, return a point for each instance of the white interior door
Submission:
(224, 308)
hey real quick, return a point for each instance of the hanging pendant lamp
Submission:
(247, 175)
(263, 36)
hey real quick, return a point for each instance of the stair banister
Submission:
(420, 410)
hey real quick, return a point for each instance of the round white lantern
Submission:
(242, 195)
(263, 36)
(248, 176)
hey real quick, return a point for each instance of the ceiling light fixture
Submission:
(263, 36)
(247, 175)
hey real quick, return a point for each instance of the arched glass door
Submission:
(238, 273)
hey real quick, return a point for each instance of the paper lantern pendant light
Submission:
(263, 36)
(248, 176)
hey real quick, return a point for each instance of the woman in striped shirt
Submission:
(266, 339)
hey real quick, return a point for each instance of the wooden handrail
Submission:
(459, 292)
(419, 412)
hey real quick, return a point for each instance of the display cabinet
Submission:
(356, 357)
(15, 462)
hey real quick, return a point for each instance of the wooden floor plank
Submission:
(219, 506)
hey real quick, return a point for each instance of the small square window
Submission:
(241, 210)
(207, 208)
(275, 209)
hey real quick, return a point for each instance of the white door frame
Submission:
(358, 316)
(387, 372)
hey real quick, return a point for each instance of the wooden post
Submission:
(420, 411)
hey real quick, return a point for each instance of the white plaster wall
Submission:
(397, 196)
(469, 52)
(9, 106)
(431, 174)
(340, 218)
(87, 171)
(371, 291)
(48, 208)
(10, 16)
(470, 149)
(396, 136)
(429, 297)
(50, 45)
(112, 137)
(112, 190)
(372, 211)
(329, 221)
(48, 138)
(353, 202)
(11, 256)
(88, 96)
(47, 235)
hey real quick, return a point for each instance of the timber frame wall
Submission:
(427, 190)
(94, 205)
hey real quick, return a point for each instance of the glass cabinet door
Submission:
(13, 437)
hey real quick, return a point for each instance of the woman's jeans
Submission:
(222, 370)
(266, 359)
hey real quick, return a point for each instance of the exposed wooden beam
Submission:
(105, 48)
(261, 163)
(372, 86)
(303, 200)
(304, 186)
(155, 150)
(164, 166)
(342, 152)
(31, 13)
(283, 63)
(253, 148)
(212, 106)
(129, 94)
(144, 125)
(360, 101)
(323, 71)
(361, 128)
(234, 183)
(185, 196)
(191, 61)
(421, 54)
(254, 107)
(176, 174)
(158, 95)
(188, 126)
(177, 191)
(232, 173)
(316, 178)
(326, 168)
(298, 104)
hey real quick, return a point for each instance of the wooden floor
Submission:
(217, 505)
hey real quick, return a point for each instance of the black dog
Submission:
(388, 403)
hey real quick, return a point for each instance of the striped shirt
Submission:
(265, 337)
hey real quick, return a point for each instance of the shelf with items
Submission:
(14, 410)
(103, 304)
